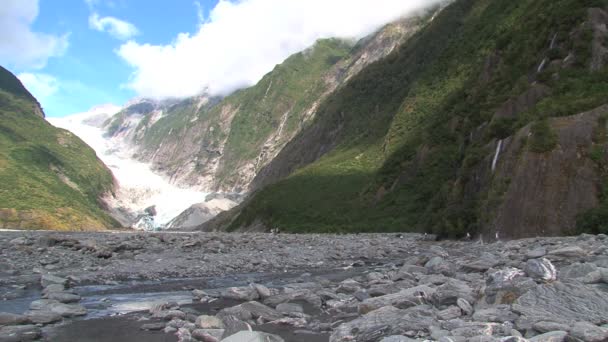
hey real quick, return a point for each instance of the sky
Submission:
(76, 54)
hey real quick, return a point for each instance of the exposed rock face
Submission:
(547, 191)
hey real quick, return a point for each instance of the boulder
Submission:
(49, 279)
(554, 336)
(208, 335)
(233, 325)
(12, 319)
(505, 286)
(541, 270)
(209, 322)
(248, 293)
(251, 310)
(19, 333)
(385, 321)
(64, 297)
(497, 314)
(253, 336)
(564, 303)
(568, 252)
(287, 308)
(403, 299)
(449, 293)
(43, 317)
(588, 332)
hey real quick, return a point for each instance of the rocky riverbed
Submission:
(263, 287)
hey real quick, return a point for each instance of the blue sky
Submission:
(90, 72)
(76, 54)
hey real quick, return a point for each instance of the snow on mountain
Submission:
(139, 187)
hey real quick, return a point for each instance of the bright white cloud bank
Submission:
(19, 45)
(243, 40)
(117, 28)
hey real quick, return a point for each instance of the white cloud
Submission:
(19, 45)
(42, 86)
(243, 40)
(117, 28)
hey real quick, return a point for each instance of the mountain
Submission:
(489, 121)
(221, 144)
(49, 178)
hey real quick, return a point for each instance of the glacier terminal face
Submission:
(139, 188)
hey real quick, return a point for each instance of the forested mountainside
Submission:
(490, 120)
(221, 144)
(49, 178)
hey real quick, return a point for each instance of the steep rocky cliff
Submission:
(49, 179)
(221, 144)
(489, 121)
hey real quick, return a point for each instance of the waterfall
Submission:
(498, 148)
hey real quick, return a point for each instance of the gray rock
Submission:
(505, 286)
(481, 264)
(305, 295)
(64, 297)
(208, 335)
(383, 322)
(348, 286)
(536, 253)
(498, 314)
(449, 293)
(476, 329)
(402, 299)
(262, 291)
(251, 310)
(589, 332)
(287, 308)
(53, 288)
(68, 310)
(554, 336)
(233, 325)
(153, 326)
(568, 252)
(397, 338)
(253, 336)
(440, 266)
(248, 293)
(465, 306)
(562, 303)
(577, 270)
(209, 322)
(541, 270)
(12, 319)
(49, 279)
(19, 333)
(449, 313)
(545, 326)
(43, 317)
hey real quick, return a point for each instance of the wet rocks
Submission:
(12, 319)
(19, 333)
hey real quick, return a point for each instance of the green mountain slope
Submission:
(222, 144)
(49, 178)
(410, 143)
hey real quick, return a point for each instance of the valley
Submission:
(399, 171)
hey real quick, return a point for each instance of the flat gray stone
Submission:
(253, 336)
(554, 336)
(589, 332)
(565, 303)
